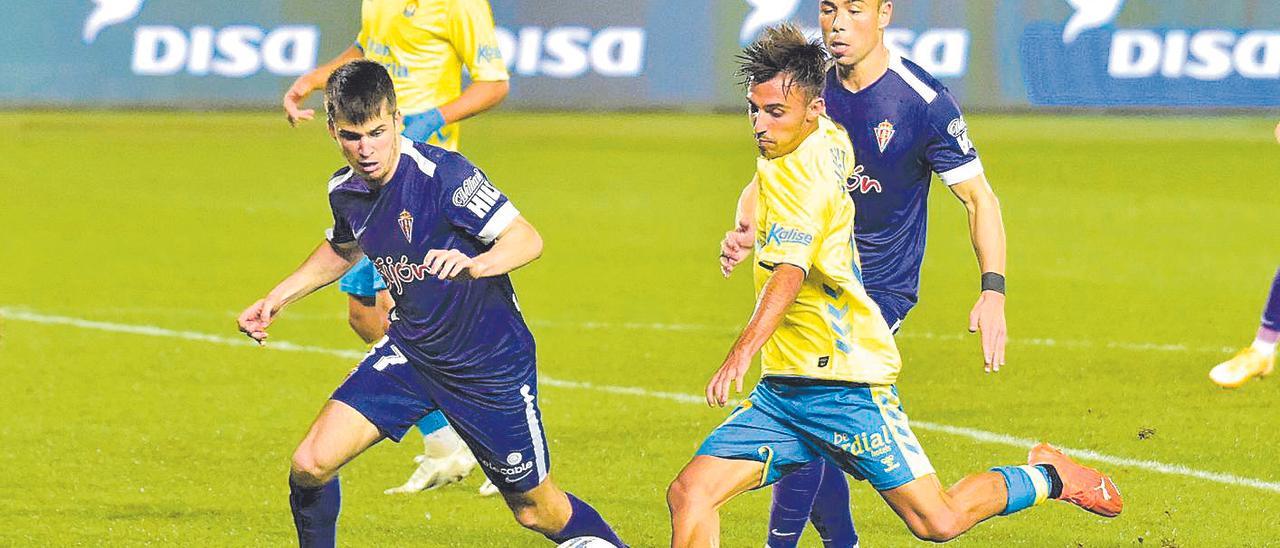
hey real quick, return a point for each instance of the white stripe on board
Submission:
(971, 433)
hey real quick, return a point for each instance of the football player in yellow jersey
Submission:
(424, 45)
(828, 359)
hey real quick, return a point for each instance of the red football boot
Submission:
(1081, 485)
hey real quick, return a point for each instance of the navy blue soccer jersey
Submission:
(904, 127)
(463, 328)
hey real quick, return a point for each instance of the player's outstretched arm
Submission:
(311, 81)
(518, 245)
(476, 98)
(326, 264)
(472, 35)
(779, 292)
(737, 243)
(986, 230)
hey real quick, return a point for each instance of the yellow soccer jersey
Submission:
(424, 44)
(833, 331)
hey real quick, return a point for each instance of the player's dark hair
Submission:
(783, 49)
(357, 92)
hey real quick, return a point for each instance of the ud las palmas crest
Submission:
(884, 133)
(406, 225)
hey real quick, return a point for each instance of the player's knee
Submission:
(684, 494)
(306, 469)
(937, 528)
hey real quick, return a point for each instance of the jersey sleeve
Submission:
(795, 200)
(340, 232)
(471, 202)
(362, 37)
(472, 35)
(950, 151)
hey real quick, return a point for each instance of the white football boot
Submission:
(437, 472)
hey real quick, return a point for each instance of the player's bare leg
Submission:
(558, 515)
(337, 435)
(937, 515)
(544, 508)
(698, 492)
(368, 316)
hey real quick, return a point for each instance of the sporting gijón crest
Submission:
(884, 133)
(406, 225)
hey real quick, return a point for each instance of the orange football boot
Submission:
(1081, 485)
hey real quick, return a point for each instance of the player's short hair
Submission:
(783, 49)
(358, 91)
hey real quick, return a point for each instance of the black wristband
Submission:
(993, 282)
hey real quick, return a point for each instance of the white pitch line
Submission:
(971, 433)
(905, 334)
(1086, 454)
(731, 330)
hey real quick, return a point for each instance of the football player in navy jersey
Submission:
(905, 126)
(444, 239)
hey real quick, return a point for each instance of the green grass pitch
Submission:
(1139, 251)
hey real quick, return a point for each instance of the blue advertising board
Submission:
(1154, 53)
(653, 53)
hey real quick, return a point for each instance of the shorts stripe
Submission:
(887, 401)
(742, 407)
(535, 433)
(767, 453)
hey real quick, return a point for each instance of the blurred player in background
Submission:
(828, 357)
(457, 342)
(905, 126)
(424, 45)
(1259, 358)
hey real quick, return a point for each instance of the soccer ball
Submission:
(586, 542)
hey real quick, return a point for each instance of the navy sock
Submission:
(315, 513)
(1271, 314)
(792, 502)
(585, 521)
(831, 515)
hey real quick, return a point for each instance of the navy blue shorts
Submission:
(893, 308)
(498, 419)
